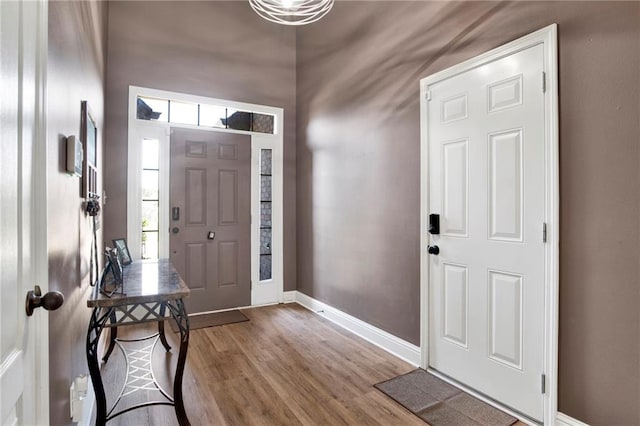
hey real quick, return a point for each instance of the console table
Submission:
(151, 289)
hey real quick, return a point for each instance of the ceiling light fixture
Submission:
(291, 12)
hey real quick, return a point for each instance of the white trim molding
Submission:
(564, 420)
(262, 292)
(289, 296)
(548, 38)
(394, 345)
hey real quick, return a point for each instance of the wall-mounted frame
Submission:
(89, 136)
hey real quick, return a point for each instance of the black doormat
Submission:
(212, 320)
(440, 404)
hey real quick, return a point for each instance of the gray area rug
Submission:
(440, 404)
(212, 320)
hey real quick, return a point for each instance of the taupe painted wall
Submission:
(216, 49)
(76, 63)
(358, 172)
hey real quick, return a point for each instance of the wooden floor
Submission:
(286, 366)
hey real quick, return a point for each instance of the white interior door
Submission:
(24, 342)
(486, 149)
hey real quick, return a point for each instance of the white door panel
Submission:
(23, 341)
(487, 181)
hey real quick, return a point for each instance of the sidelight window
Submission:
(150, 198)
(266, 213)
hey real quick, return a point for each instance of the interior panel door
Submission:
(210, 240)
(23, 359)
(486, 180)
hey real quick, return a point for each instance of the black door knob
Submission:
(50, 301)
(433, 250)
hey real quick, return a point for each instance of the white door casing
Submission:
(262, 292)
(489, 299)
(24, 381)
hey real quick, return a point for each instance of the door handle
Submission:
(175, 230)
(50, 301)
(435, 250)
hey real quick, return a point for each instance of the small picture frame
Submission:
(112, 278)
(120, 244)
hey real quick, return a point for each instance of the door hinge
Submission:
(544, 82)
(543, 383)
(428, 95)
(544, 232)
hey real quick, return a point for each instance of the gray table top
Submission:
(145, 281)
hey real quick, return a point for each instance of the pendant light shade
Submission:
(292, 12)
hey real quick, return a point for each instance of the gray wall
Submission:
(358, 172)
(76, 61)
(216, 49)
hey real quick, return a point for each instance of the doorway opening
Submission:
(153, 115)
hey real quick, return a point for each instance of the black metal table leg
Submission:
(113, 334)
(96, 326)
(179, 315)
(163, 338)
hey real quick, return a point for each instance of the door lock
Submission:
(434, 224)
(211, 235)
(435, 250)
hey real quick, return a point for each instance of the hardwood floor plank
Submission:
(286, 366)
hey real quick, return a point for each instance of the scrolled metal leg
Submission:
(113, 335)
(96, 326)
(163, 338)
(179, 315)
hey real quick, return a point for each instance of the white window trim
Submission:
(548, 38)
(160, 130)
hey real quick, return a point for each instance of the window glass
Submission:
(150, 215)
(266, 213)
(150, 184)
(152, 109)
(150, 151)
(263, 123)
(238, 120)
(212, 116)
(183, 113)
(150, 245)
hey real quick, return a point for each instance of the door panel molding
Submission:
(506, 95)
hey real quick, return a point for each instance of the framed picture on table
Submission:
(120, 244)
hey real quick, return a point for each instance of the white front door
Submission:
(486, 149)
(23, 342)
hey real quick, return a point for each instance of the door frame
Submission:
(275, 141)
(548, 38)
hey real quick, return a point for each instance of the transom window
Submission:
(203, 115)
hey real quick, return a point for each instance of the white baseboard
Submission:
(88, 405)
(289, 296)
(564, 420)
(387, 341)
